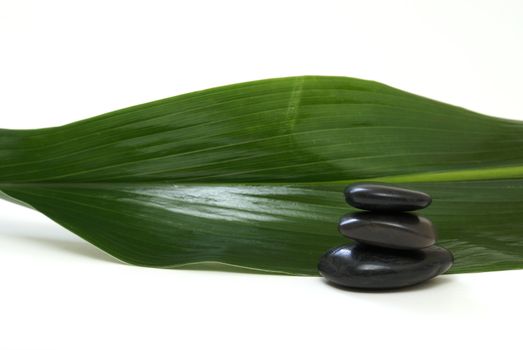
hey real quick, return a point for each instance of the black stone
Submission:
(399, 231)
(363, 266)
(379, 197)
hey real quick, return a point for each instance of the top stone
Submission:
(378, 197)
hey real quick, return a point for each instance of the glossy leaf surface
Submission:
(252, 175)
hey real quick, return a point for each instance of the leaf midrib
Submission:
(499, 173)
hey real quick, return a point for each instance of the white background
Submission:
(62, 61)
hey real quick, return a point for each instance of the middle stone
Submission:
(399, 231)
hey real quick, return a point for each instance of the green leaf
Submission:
(251, 175)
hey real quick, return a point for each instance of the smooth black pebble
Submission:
(378, 197)
(400, 231)
(363, 266)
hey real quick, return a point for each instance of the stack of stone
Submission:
(393, 249)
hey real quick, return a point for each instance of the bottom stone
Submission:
(363, 266)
